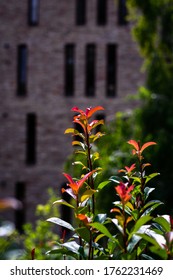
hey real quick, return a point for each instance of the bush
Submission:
(132, 230)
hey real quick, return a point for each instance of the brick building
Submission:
(55, 55)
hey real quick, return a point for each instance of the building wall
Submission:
(45, 88)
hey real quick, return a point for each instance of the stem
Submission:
(90, 166)
(91, 252)
(124, 230)
(77, 205)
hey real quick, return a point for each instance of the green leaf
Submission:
(78, 143)
(115, 221)
(149, 239)
(60, 222)
(87, 194)
(72, 246)
(102, 185)
(142, 221)
(136, 238)
(151, 176)
(147, 191)
(164, 223)
(102, 229)
(135, 214)
(80, 163)
(100, 218)
(162, 253)
(63, 202)
(115, 179)
(150, 206)
(62, 251)
(84, 233)
(71, 130)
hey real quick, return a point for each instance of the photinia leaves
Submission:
(146, 145)
(61, 222)
(63, 202)
(137, 146)
(87, 194)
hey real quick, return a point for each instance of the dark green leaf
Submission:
(102, 229)
(147, 191)
(84, 233)
(142, 221)
(100, 218)
(164, 223)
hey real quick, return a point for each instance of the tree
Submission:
(153, 31)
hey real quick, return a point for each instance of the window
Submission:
(90, 70)
(122, 12)
(33, 12)
(101, 12)
(22, 70)
(111, 69)
(80, 12)
(20, 213)
(69, 69)
(31, 139)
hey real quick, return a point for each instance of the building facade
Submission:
(56, 55)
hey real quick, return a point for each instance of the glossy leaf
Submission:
(150, 206)
(87, 194)
(102, 185)
(61, 222)
(134, 144)
(102, 229)
(63, 202)
(147, 191)
(146, 145)
(93, 110)
(119, 227)
(164, 223)
(151, 176)
(72, 246)
(78, 143)
(84, 233)
(100, 218)
(142, 221)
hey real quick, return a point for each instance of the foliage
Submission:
(134, 231)
(153, 31)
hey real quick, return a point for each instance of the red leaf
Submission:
(147, 145)
(134, 144)
(93, 110)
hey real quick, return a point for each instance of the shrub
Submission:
(132, 230)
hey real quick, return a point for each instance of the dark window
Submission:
(111, 69)
(90, 69)
(20, 213)
(69, 69)
(31, 139)
(122, 12)
(101, 12)
(22, 70)
(80, 12)
(33, 12)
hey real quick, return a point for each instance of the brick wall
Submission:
(45, 88)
